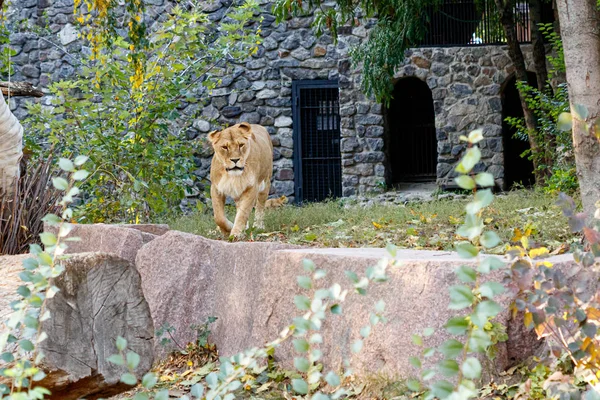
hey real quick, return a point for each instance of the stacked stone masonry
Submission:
(465, 82)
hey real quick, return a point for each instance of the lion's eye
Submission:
(224, 148)
(241, 145)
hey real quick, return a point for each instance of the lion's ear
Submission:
(246, 130)
(214, 136)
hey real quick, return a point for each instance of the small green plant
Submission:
(203, 331)
(22, 333)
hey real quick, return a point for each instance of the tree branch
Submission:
(19, 88)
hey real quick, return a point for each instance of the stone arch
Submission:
(410, 136)
(517, 169)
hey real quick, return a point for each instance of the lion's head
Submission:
(232, 146)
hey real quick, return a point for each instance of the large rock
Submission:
(122, 240)
(250, 287)
(187, 278)
(100, 298)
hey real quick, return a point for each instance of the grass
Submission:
(429, 225)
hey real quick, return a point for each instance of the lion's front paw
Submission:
(237, 233)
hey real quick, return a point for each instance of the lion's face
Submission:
(232, 146)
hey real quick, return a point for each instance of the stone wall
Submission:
(465, 83)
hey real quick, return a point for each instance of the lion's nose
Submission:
(235, 160)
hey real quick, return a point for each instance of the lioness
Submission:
(241, 169)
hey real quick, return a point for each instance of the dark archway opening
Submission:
(517, 169)
(411, 145)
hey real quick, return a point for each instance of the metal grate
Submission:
(471, 23)
(317, 157)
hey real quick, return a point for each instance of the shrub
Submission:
(21, 216)
(133, 128)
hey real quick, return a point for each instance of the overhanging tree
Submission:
(401, 24)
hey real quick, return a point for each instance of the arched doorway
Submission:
(411, 145)
(517, 169)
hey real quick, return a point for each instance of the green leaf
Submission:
(470, 159)
(336, 309)
(490, 264)
(66, 165)
(121, 343)
(300, 386)
(479, 341)
(129, 379)
(357, 346)
(428, 332)
(380, 306)
(448, 368)
(460, 297)
(581, 112)
(149, 380)
(162, 395)
(116, 359)
(484, 310)
(565, 122)
(466, 250)
(442, 389)
(302, 302)
(141, 396)
(48, 239)
(428, 352)
(417, 340)
(301, 345)
(415, 362)
(52, 219)
(332, 379)
(304, 282)
(466, 274)
(457, 325)
(80, 160)
(482, 199)
(451, 348)
(301, 364)
(80, 175)
(365, 331)
(489, 239)
(133, 360)
(26, 345)
(484, 179)
(197, 391)
(475, 136)
(471, 368)
(465, 182)
(427, 374)
(308, 265)
(60, 183)
(413, 385)
(491, 289)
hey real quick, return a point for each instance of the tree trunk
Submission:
(537, 42)
(516, 56)
(541, 72)
(100, 298)
(11, 148)
(580, 30)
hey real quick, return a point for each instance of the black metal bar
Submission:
(475, 23)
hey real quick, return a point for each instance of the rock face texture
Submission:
(100, 298)
(465, 82)
(121, 240)
(250, 287)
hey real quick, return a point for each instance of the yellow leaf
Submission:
(295, 228)
(376, 225)
(545, 264)
(525, 242)
(488, 220)
(517, 235)
(528, 319)
(539, 252)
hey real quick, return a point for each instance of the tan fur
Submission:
(276, 203)
(241, 169)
